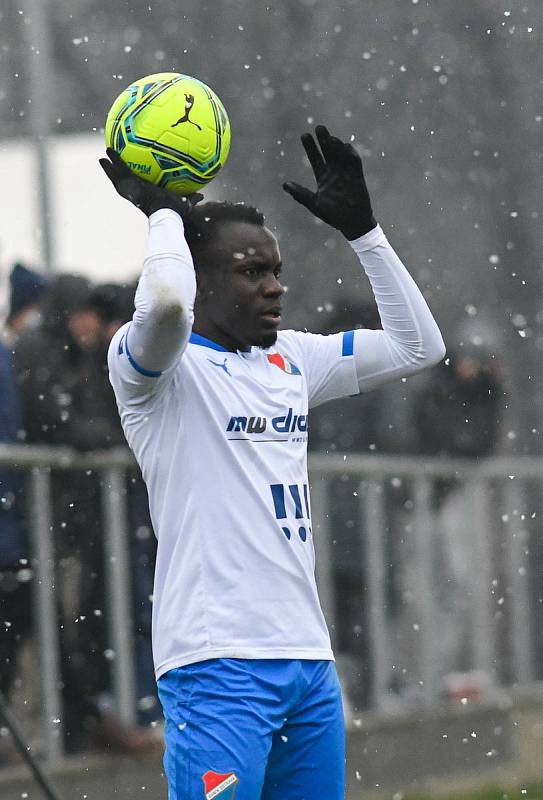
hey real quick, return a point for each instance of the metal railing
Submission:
(498, 495)
(499, 488)
(112, 466)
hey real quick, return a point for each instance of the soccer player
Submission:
(214, 402)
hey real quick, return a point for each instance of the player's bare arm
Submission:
(410, 339)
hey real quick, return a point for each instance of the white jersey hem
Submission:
(243, 652)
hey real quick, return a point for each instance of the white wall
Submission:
(95, 232)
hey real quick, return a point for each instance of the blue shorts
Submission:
(266, 729)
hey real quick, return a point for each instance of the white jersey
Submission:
(222, 447)
(221, 439)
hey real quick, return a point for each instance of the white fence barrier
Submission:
(455, 536)
(459, 537)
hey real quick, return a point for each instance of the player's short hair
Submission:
(205, 219)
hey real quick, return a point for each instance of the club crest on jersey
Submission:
(219, 786)
(283, 363)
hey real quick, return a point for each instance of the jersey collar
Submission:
(195, 338)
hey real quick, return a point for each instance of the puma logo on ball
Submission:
(189, 102)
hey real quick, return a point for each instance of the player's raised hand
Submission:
(144, 195)
(342, 198)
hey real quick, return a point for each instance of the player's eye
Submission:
(252, 272)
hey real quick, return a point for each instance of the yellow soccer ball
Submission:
(171, 130)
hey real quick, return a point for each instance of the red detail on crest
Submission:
(212, 779)
(278, 360)
(283, 363)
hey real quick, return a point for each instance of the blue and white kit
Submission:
(221, 439)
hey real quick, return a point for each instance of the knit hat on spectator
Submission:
(26, 288)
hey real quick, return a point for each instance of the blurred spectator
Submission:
(57, 373)
(27, 292)
(114, 305)
(458, 414)
(27, 289)
(66, 400)
(15, 574)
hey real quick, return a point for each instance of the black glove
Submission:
(342, 198)
(144, 195)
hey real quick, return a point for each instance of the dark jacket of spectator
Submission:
(67, 400)
(12, 538)
(458, 412)
(15, 595)
(62, 375)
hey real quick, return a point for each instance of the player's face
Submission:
(239, 301)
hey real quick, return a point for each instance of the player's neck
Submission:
(215, 335)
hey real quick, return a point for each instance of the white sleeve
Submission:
(410, 339)
(326, 362)
(346, 363)
(143, 354)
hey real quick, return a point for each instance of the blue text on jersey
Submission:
(286, 423)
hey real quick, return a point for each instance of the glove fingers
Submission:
(145, 196)
(301, 195)
(314, 155)
(352, 160)
(121, 169)
(109, 169)
(115, 158)
(331, 146)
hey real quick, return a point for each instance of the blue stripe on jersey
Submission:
(278, 495)
(295, 493)
(348, 343)
(306, 499)
(195, 338)
(149, 373)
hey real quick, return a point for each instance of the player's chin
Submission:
(265, 339)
